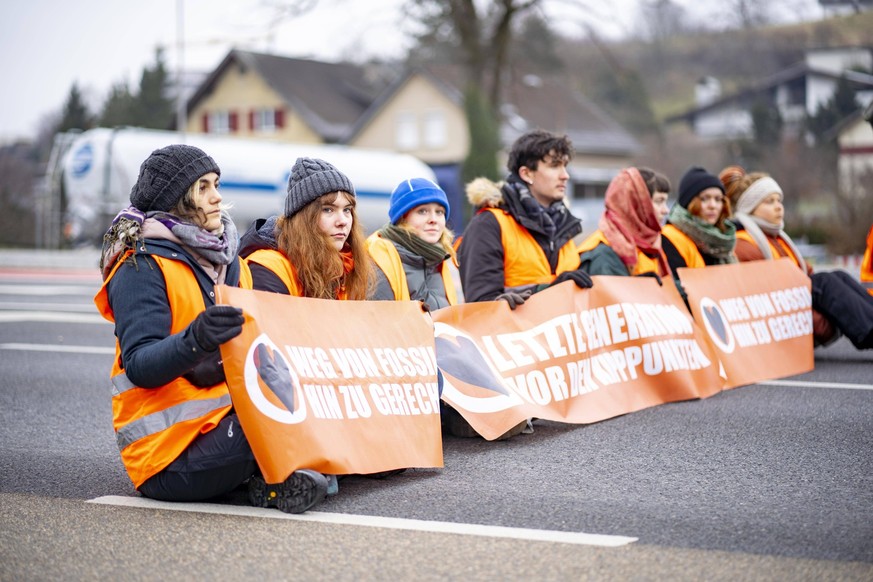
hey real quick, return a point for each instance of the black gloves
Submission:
(216, 325)
(208, 372)
(652, 274)
(515, 297)
(580, 277)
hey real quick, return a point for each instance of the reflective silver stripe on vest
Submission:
(121, 383)
(159, 421)
(867, 284)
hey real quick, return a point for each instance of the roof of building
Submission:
(330, 97)
(796, 71)
(337, 100)
(529, 102)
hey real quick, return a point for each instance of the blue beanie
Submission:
(414, 192)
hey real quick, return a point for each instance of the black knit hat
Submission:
(311, 178)
(167, 174)
(695, 181)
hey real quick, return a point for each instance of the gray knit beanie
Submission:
(167, 174)
(311, 178)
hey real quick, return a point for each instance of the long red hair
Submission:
(323, 272)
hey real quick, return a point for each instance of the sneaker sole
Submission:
(301, 491)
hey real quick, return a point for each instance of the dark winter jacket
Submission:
(424, 280)
(138, 296)
(261, 234)
(481, 252)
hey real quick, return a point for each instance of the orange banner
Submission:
(571, 355)
(758, 315)
(336, 386)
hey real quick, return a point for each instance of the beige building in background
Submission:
(418, 116)
(418, 111)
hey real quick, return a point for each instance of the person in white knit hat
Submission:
(840, 304)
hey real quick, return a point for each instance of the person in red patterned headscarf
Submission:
(628, 241)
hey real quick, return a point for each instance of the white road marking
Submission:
(48, 290)
(72, 307)
(58, 348)
(46, 316)
(803, 384)
(561, 537)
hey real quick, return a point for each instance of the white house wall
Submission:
(836, 60)
(819, 91)
(724, 122)
(856, 159)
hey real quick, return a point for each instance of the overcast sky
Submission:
(47, 45)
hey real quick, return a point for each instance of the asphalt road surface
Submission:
(764, 482)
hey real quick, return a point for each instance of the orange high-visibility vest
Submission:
(645, 263)
(385, 254)
(783, 250)
(867, 264)
(278, 263)
(153, 426)
(524, 262)
(686, 247)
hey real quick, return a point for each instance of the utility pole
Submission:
(181, 105)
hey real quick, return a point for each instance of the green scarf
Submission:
(710, 240)
(431, 253)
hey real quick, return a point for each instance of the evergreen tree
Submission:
(842, 104)
(118, 109)
(75, 113)
(767, 122)
(151, 107)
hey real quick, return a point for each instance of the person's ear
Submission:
(525, 174)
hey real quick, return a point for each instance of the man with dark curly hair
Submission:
(521, 239)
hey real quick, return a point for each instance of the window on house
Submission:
(435, 133)
(219, 122)
(406, 132)
(263, 120)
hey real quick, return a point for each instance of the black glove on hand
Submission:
(514, 298)
(580, 277)
(652, 274)
(216, 325)
(208, 372)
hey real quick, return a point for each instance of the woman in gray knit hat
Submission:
(179, 437)
(317, 247)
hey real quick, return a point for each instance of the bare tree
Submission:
(660, 20)
(481, 35)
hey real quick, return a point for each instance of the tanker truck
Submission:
(98, 168)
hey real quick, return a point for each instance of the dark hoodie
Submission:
(261, 234)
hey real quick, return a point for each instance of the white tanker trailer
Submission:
(101, 165)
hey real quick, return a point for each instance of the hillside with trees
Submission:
(643, 82)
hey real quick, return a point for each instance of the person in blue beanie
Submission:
(412, 252)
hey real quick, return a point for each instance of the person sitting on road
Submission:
(317, 248)
(698, 232)
(412, 252)
(179, 437)
(840, 305)
(521, 239)
(628, 241)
